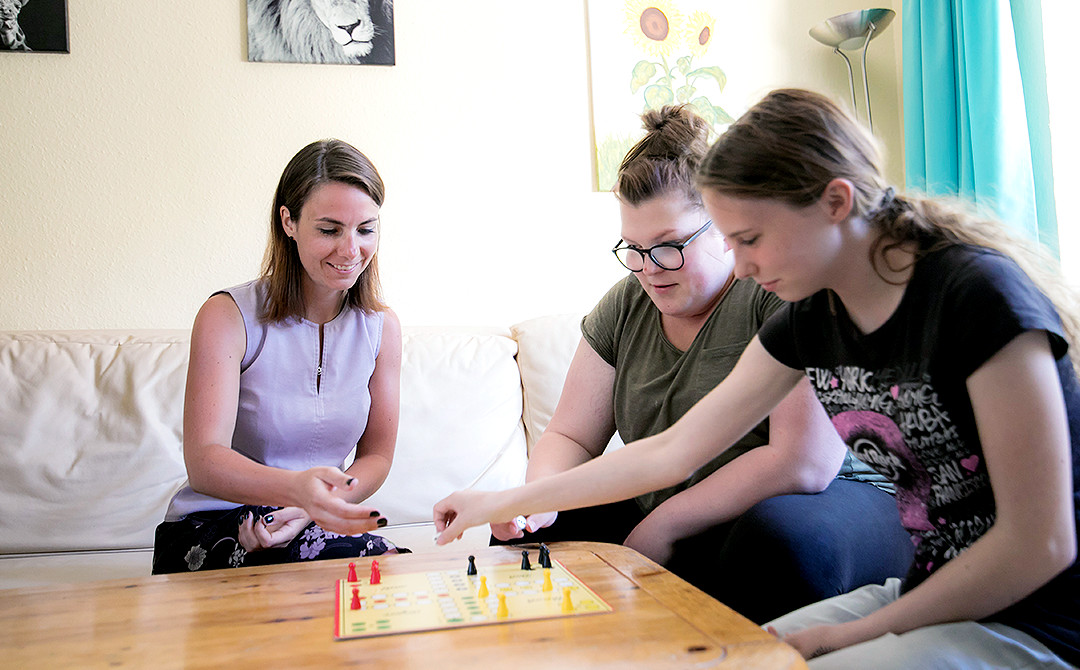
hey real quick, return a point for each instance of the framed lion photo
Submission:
(34, 25)
(351, 32)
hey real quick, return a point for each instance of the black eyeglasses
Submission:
(666, 256)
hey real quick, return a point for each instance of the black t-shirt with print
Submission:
(898, 397)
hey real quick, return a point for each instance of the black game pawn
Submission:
(525, 565)
(472, 566)
(545, 556)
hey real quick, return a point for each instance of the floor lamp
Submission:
(853, 30)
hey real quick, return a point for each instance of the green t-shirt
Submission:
(655, 383)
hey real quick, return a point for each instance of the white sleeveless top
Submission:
(297, 411)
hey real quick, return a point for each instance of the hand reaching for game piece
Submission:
(460, 511)
(276, 529)
(514, 531)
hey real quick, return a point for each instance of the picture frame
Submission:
(349, 32)
(645, 54)
(29, 26)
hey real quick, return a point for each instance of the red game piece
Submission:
(356, 598)
(376, 576)
(352, 573)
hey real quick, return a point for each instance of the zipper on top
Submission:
(319, 367)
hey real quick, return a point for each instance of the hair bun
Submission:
(657, 119)
(672, 131)
(666, 158)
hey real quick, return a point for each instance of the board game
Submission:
(405, 603)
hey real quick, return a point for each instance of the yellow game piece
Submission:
(502, 612)
(483, 592)
(546, 586)
(567, 605)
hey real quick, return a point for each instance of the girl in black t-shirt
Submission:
(940, 349)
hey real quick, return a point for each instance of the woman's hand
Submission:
(460, 511)
(534, 522)
(273, 530)
(322, 493)
(819, 640)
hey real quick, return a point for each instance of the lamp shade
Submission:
(848, 31)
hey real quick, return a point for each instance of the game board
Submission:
(420, 601)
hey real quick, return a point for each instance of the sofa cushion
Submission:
(460, 420)
(546, 346)
(90, 443)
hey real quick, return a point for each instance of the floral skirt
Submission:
(209, 541)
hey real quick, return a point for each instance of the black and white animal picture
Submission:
(33, 25)
(355, 32)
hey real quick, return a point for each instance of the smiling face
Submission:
(691, 291)
(336, 238)
(787, 250)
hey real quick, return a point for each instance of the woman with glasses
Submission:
(765, 527)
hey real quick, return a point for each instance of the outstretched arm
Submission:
(749, 393)
(1021, 418)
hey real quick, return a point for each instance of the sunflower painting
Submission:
(646, 54)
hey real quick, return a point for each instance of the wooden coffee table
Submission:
(283, 616)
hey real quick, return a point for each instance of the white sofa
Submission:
(91, 429)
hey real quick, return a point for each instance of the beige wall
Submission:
(137, 171)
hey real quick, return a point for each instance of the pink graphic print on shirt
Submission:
(877, 441)
(897, 424)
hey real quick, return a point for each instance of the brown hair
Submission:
(666, 159)
(316, 164)
(792, 143)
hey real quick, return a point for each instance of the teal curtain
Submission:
(976, 113)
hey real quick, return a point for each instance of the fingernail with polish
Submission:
(349, 483)
(374, 514)
(381, 522)
(269, 518)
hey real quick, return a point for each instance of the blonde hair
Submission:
(792, 143)
(316, 164)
